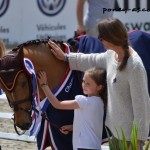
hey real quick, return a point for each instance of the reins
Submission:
(15, 106)
(51, 123)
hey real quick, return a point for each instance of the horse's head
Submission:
(16, 84)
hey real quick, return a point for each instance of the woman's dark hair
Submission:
(114, 31)
(98, 75)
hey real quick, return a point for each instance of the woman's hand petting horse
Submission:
(56, 50)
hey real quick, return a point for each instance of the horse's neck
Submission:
(43, 59)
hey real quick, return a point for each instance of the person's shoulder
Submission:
(134, 61)
(80, 97)
(95, 101)
(135, 58)
(109, 54)
(96, 98)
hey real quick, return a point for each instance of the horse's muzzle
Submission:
(24, 126)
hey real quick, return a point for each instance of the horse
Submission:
(17, 83)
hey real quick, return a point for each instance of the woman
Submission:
(128, 98)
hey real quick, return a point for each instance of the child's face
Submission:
(89, 87)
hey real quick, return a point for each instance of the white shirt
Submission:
(94, 12)
(88, 123)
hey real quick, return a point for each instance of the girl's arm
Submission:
(67, 104)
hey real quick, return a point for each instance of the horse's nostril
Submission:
(25, 126)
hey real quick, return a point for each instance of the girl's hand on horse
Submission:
(42, 78)
(56, 50)
(66, 129)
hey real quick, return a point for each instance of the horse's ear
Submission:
(74, 43)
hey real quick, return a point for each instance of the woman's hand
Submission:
(66, 129)
(56, 50)
(42, 78)
(80, 30)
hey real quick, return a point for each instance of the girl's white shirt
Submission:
(88, 123)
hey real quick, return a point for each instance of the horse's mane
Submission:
(13, 60)
(35, 42)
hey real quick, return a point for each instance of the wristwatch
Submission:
(66, 57)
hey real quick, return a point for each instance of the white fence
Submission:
(13, 136)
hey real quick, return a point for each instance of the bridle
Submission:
(14, 104)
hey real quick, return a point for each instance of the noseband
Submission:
(14, 104)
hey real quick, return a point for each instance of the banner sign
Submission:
(23, 20)
(134, 13)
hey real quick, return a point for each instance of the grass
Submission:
(118, 144)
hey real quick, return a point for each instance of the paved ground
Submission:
(6, 125)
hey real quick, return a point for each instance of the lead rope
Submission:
(44, 116)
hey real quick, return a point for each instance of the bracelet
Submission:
(43, 84)
(66, 58)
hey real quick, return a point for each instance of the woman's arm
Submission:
(68, 104)
(80, 61)
(80, 15)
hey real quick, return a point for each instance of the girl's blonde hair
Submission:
(2, 48)
(98, 75)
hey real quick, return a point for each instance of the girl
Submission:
(88, 114)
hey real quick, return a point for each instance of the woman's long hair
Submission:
(114, 31)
